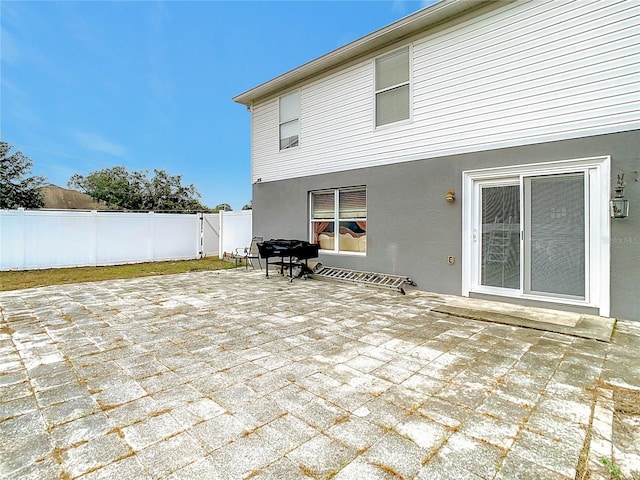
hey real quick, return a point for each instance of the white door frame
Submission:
(597, 172)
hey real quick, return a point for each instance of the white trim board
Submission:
(597, 172)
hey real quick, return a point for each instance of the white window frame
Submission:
(376, 91)
(291, 120)
(336, 220)
(597, 235)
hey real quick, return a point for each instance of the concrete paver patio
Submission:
(228, 375)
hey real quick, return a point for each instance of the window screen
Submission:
(392, 87)
(323, 205)
(353, 203)
(392, 69)
(289, 120)
(556, 252)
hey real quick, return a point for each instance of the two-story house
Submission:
(473, 146)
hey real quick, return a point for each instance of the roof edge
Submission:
(420, 20)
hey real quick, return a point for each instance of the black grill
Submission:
(291, 253)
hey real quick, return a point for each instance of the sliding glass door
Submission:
(539, 231)
(555, 235)
(532, 235)
(500, 246)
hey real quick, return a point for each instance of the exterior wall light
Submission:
(619, 206)
(450, 196)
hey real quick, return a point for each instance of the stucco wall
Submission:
(411, 229)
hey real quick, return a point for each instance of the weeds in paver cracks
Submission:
(246, 433)
(160, 412)
(57, 453)
(118, 431)
(434, 451)
(432, 454)
(362, 450)
(452, 429)
(105, 408)
(6, 330)
(626, 403)
(582, 469)
(388, 470)
(491, 415)
(386, 428)
(308, 471)
(613, 470)
(342, 419)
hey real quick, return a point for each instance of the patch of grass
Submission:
(59, 276)
(613, 470)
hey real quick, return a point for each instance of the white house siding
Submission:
(515, 74)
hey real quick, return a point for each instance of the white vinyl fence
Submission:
(34, 239)
(236, 230)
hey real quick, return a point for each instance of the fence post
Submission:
(220, 234)
(151, 241)
(22, 235)
(201, 245)
(93, 225)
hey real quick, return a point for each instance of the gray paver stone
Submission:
(94, 454)
(163, 458)
(396, 453)
(151, 430)
(321, 456)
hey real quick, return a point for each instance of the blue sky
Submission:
(90, 85)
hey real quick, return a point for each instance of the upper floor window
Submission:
(393, 87)
(289, 120)
(339, 219)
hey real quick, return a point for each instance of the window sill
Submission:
(388, 126)
(282, 150)
(333, 252)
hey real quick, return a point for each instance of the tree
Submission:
(248, 206)
(225, 207)
(110, 185)
(137, 191)
(17, 188)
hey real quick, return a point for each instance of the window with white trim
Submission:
(339, 219)
(393, 87)
(289, 120)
